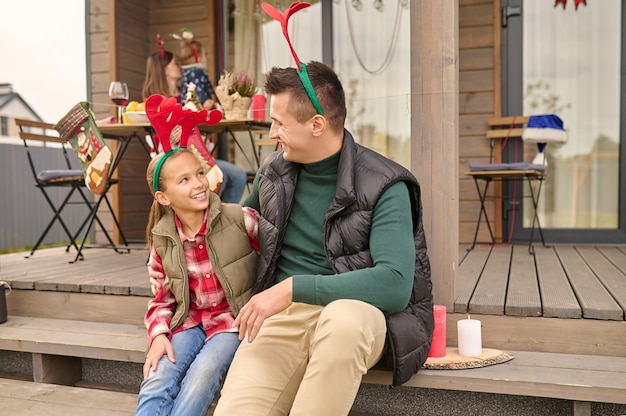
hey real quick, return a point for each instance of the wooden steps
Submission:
(58, 346)
(27, 398)
(581, 378)
(98, 319)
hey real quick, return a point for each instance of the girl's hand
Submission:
(157, 280)
(161, 346)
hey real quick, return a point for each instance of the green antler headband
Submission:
(283, 18)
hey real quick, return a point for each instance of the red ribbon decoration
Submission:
(576, 3)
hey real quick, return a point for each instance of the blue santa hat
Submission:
(543, 129)
(546, 128)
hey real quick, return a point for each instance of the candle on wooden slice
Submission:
(469, 336)
(438, 344)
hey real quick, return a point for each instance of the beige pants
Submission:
(307, 360)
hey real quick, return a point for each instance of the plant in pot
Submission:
(234, 91)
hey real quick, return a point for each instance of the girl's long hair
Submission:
(157, 210)
(155, 82)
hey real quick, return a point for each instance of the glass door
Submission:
(569, 62)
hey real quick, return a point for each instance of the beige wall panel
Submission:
(467, 229)
(100, 60)
(477, 58)
(134, 186)
(99, 23)
(473, 2)
(98, 6)
(469, 210)
(159, 4)
(475, 37)
(476, 15)
(181, 16)
(473, 81)
(475, 102)
(474, 147)
(474, 124)
(434, 125)
(100, 82)
(467, 189)
(99, 42)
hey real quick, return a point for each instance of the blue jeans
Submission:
(234, 181)
(188, 386)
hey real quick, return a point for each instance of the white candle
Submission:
(469, 336)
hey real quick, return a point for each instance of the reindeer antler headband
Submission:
(164, 115)
(283, 18)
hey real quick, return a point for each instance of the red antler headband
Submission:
(161, 46)
(166, 114)
(283, 18)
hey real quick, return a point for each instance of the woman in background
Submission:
(163, 76)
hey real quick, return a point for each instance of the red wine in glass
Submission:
(118, 93)
(119, 101)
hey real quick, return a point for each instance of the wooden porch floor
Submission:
(562, 281)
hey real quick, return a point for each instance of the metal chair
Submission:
(79, 128)
(72, 180)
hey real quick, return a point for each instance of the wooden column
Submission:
(434, 135)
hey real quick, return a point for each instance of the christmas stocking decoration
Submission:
(80, 129)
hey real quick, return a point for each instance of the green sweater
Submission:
(303, 257)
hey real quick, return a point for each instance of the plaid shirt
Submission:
(208, 304)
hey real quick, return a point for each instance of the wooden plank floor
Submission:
(35, 399)
(560, 281)
(103, 271)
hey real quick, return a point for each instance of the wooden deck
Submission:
(561, 281)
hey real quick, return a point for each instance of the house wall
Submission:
(122, 34)
(479, 100)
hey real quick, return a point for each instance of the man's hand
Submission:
(263, 305)
(161, 345)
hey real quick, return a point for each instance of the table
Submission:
(132, 193)
(488, 177)
(124, 132)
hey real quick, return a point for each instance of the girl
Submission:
(163, 75)
(207, 252)
(192, 57)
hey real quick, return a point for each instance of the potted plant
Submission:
(234, 91)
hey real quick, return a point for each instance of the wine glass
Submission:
(118, 93)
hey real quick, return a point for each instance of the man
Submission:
(343, 274)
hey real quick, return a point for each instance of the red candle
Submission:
(438, 345)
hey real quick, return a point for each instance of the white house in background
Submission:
(12, 106)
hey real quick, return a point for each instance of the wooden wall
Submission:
(122, 35)
(479, 100)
